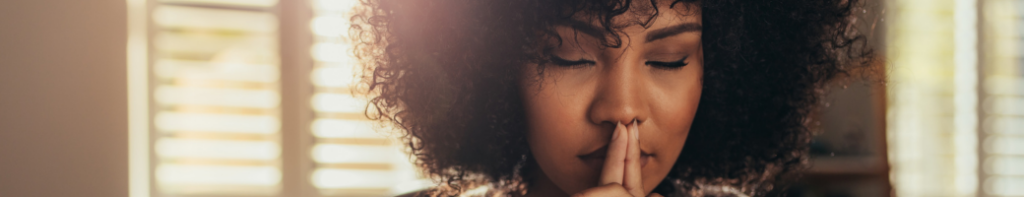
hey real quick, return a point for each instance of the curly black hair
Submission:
(447, 73)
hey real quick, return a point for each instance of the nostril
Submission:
(634, 121)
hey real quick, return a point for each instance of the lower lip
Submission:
(598, 162)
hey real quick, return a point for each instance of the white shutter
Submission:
(956, 128)
(1002, 106)
(354, 156)
(215, 96)
(932, 119)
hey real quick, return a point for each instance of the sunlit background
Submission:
(956, 97)
(256, 98)
(216, 114)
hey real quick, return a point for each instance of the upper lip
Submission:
(602, 152)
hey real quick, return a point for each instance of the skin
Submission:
(576, 110)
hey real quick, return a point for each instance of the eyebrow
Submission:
(673, 30)
(596, 32)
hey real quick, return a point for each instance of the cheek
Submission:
(556, 109)
(673, 109)
(674, 106)
(675, 98)
(551, 127)
(554, 117)
(558, 130)
(673, 118)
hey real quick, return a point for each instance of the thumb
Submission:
(614, 165)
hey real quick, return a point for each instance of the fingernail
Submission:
(636, 130)
(615, 135)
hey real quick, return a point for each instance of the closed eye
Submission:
(570, 63)
(668, 65)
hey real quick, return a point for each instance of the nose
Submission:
(620, 95)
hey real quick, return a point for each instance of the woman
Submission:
(604, 98)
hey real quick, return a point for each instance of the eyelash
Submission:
(570, 63)
(583, 62)
(668, 65)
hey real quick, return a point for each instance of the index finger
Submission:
(614, 162)
(633, 181)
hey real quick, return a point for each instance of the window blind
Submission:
(354, 156)
(932, 119)
(215, 97)
(934, 154)
(1002, 132)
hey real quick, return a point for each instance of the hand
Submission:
(621, 173)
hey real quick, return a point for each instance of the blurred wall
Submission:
(63, 110)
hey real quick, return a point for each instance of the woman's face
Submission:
(572, 110)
